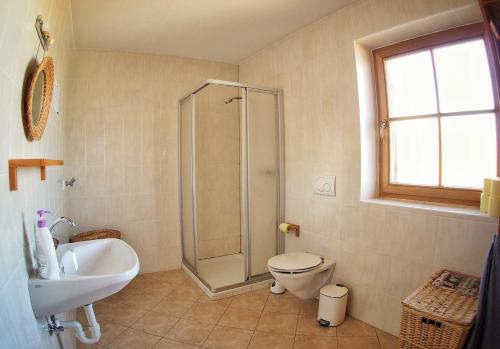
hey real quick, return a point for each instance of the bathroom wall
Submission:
(218, 171)
(18, 46)
(383, 250)
(121, 146)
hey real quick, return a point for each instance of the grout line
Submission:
(151, 309)
(147, 312)
(257, 324)
(295, 333)
(378, 338)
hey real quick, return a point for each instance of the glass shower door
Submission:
(263, 178)
(221, 261)
(231, 181)
(186, 163)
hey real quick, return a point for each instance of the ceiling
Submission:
(219, 30)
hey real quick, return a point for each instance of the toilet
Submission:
(301, 273)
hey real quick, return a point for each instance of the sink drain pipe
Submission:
(94, 328)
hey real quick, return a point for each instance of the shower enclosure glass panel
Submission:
(263, 182)
(186, 116)
(231, 174)
(218, 185)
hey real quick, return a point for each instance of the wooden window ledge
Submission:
(433, 208)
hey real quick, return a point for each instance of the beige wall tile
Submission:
(19, 42)
(382, 253)
(126, 105)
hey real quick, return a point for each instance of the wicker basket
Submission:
(437, 318)
(96, 234)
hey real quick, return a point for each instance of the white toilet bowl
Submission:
(301, 273)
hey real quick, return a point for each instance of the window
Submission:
(438, 117)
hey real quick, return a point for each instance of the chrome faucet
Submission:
(59, 220)
(56, 242)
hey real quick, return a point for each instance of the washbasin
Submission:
(93, 270)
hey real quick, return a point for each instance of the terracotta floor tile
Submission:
(139, 282)
(206, 312)
(114, 298)
(282, 304)
(309, 306)
(265, 340)
(250, 300)
(170, 344)
(162, 288)
(355, 328)
(126, 314)
(157, 322)
(153, 303)
(262, 290)
(308, 325)
(316, 342)
(133, 339)
(240, 318)
(387, 341)
(358, 343)
(190, 331)
(175, 307)
(277, 322)
(205, 299)
(142, 298)
(174, 277)
(186, 292)
(109, 331)
(102, 310)
(228, 338)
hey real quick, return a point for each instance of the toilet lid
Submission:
(295, 261)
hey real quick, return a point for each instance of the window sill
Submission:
(443, 210)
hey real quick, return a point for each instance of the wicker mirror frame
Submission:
(35, 131)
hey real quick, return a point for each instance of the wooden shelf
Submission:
(42, 163)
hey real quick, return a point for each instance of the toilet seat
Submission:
(294, 262)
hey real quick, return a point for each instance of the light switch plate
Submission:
(324, 185)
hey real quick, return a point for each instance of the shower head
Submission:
(232, 99)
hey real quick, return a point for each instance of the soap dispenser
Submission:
(48, 266)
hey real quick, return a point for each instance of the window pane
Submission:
(469, 150)
(410, 85)
(414, 151)
(463, 77)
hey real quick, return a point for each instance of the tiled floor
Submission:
(167, 310)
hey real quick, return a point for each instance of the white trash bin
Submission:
(332, 305)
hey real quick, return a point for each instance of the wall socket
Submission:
(324, 185)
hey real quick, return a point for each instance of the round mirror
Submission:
(36, 103)
(39, 99)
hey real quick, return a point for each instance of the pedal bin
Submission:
(332, 305)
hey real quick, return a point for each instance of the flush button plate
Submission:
(324, 185)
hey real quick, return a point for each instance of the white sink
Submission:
(93, 270)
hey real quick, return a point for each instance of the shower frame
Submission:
(244, 180)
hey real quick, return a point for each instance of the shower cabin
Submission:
(231, 173)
